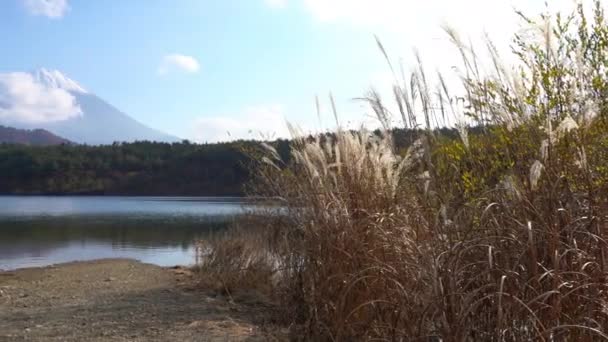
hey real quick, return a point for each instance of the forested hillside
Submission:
(38, 137)
(140, 168)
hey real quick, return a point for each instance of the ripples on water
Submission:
(40, 231)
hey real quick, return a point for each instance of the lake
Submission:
(45, 230)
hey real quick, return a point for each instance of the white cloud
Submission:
(49, 8)
(24, 100)
(407, 14)
(418, 23)
(178, 62)
(253, 123)
(276, 3)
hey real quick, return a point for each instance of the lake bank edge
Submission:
(123, 299)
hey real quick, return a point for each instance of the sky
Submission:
(224, 69)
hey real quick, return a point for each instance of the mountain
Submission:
(37, 137)
(100, 123)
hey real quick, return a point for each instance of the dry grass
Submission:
(500, 236)
(237, 261)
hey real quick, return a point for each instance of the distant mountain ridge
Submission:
(37, 137)
(99, 124)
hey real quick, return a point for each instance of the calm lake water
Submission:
(45, 230)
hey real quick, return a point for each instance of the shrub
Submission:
(499, 236)
(236, 260)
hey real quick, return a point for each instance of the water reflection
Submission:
(29, 206)
(39, 231)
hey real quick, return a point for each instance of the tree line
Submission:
(139, 168)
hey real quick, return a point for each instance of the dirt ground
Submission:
(123, 300)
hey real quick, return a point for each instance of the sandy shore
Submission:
(121, 300)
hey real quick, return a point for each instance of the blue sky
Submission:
(200, 68)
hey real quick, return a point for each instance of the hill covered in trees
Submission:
(140, 168)
(36, 137)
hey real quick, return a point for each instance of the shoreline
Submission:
(121, 300)
(84, 262)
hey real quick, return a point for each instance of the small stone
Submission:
(196, 324)
(107, 280)
(23, 295)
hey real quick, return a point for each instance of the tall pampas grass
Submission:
(498, 236)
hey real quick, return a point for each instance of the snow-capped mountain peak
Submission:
(56, 79)
(50, 100)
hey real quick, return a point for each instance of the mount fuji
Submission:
(48, 99)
